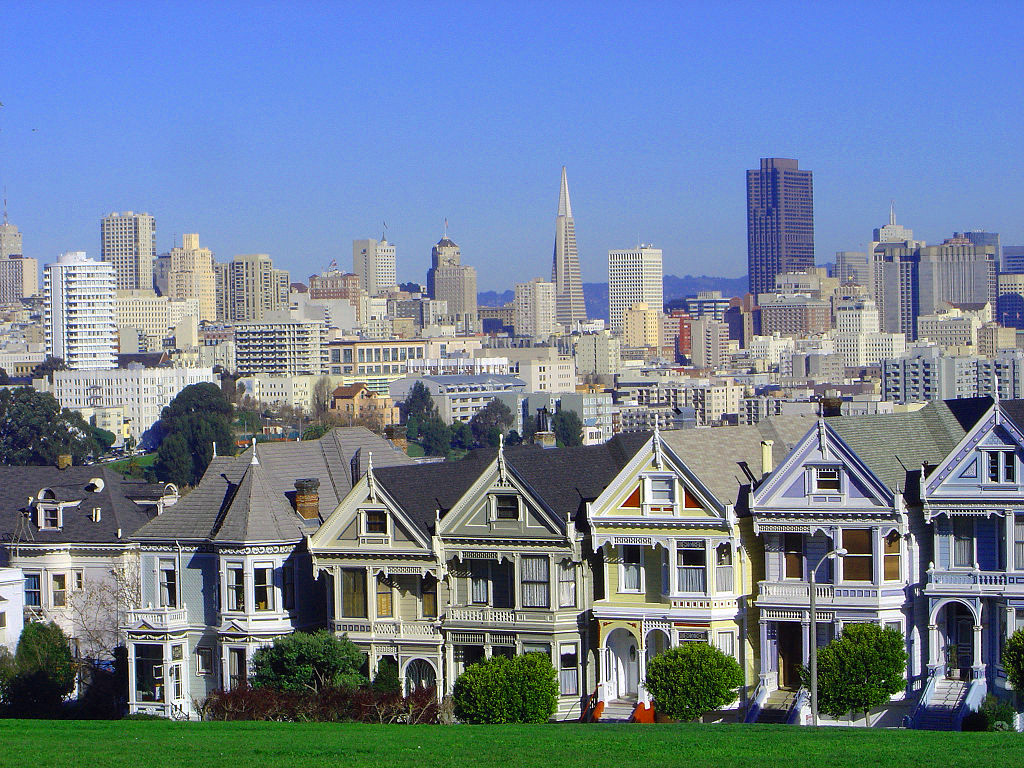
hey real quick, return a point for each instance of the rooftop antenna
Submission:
(892, 213)
(445, 227)
(5, 205)
(384, 234)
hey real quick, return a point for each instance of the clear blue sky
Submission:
(292, 128)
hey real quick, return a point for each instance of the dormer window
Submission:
(376, 521)
(1000, 467)
(506, 506)
(50, 518)
(827, 480)
(662, 490)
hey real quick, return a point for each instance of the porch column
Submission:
(766, 660)
(131, 676)
(978, 663)
(448, 667)
(805, 628)
(641, 665)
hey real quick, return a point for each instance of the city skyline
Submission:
(270, 158)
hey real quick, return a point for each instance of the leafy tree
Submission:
(462, 436)
(418, 403)
(44, 671)
(387, 679)
(523, 689)
(692, 679)
(200, 415)
(861, 669)
(4, 378)
(304, 661)
(412, 428)
(494, 415)
(34, 429)
(435, 437)
(103, 438)
(315, 431)
(46, 368)
(173, 461)
(513, 438)
(568, 428)
(1013, 659)
(203, 399)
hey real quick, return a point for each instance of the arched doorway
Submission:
(657, 641)
(958, 632)
(624, 661)
(419, 673)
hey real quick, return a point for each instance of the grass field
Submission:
(144, 460)
(140, 744)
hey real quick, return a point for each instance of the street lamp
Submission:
(837, 552)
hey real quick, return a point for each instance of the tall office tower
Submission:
(79, 304)
(374, 262)
(255, 287)
(128, 241)
(450, 280)
(222, 276)
(565, 270)
(10, 238)
(780, 222)
(983, 239)
(634, 276)
(192, 276)
(534, 308)
(1013, 259)
(852, 268)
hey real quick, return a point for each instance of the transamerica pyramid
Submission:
(565, 270)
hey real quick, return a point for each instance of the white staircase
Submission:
(940, 711)
(618, 710)
(777, 706)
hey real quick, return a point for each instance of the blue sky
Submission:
(292, 128)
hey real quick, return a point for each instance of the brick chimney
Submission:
(63, 461)
(307, 498)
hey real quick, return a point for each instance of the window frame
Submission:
(37, 591)
(62, 591)
(1005, 466)
(856, 558)
(234, 589)
(524, 582)
(788, 552)
(166, 588)
(268, 570)
(889, 556)
(953, 538)
(566, 583)
(387, 591)
(355, 575)
(624, 565)
(288, 586)
(204, 660)
(366, 522)
(816, 478)
(496, 507)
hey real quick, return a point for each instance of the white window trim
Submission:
(647, 502)
(622, 570)
(229, 566)
(42, 509)
(986, 452)
(363, 524)
(273, 599)
(493, 507)
(812, 482)
(204, 669)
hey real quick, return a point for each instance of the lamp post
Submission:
(837, 552)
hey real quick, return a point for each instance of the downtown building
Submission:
(780, 222)
(635, 276)
(80, 311)
(128, 241)
(192, 276)
(565, 268)
(373, 262)
(453, 282)
(534, 305)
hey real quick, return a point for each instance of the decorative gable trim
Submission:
(971, 442)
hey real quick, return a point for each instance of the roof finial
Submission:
(371, 481)
(255, 459)
(995, 388)
(501, 458)
(822, 445)
(892, 213)
(215, 449)
(656, 444)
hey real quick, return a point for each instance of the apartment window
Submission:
(690, 567)
(59, 590)
(353, 593)
(204, 660)
(567, 584)
(236, 588)
(263, 586)
(726, 642)
(33, 593)
(1018, 542)
(827, 479)
(479, 574)
(963, 542)
(168, 581)
(568, 674)
(506, 507)
(891, 557)
(288, 586)
(1001, 467)
(793, 555)
(376, 521)
(631, 578)
(857, 560)
(535, 581)
(662, 490)
(385, 608)
(428, 604)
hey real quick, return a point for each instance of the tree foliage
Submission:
(435, 436)
(568, 428)
(1013, 659)
(462, 436)
(861, 669)
(43, 671)
(34, 429)
(46, 368)
(692, 679)
(494, 415)
(304, 661)
(523, 689)
(174, 461)
(418, 403)
(199, 416)
(4, 378)
(315, 431)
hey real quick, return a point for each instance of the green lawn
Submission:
(145, 460)
(140, 744)
(415, 450)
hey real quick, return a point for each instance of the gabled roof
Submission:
(120, 501)
(240, 501)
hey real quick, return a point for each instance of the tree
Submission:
(1013, 659)
(692, 679)
(462, 436)
(513, 438)
(34, 429)
(103, 438)
(568, 428)
(419, 403)
(174, 461)
(494, 415)
(861, 669)
(412, 428)
(4, 378)
(523, 689)
(200, 415)
(97, 610)
(46, 368)
(44, 671)
(304, 661)
(315, 431)
(435, 437)
(203, 399)
(321, 398)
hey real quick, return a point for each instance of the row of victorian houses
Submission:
(599, 556)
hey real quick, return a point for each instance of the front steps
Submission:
(777, 706)
(940, 710)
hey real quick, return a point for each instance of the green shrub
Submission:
(43, 672)
(305, 661)
(1013, 659)
(523, 689)
(692, 679)
(861, 669)
(997, 712)
(387, 680)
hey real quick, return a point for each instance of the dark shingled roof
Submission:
(239, 501)
(120, 502)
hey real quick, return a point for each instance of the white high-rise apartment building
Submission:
(128, 241)
(374, 262)
(192, 276)
(534, 309)
(79, 304)
(634, 276)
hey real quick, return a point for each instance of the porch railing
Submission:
(975, 580)
(926, 695)
(159, 618)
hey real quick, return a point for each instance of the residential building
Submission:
(597, 354)
(534, 306)
(949, 327)
(367, 360)
(154, 317)
(19, 278)
(642, 326)
(373, 262)
(449, 280)
(926, 374)
(357, 404)
(128, 241)
(709, 343)
(192, 276)
(780, 222)
(254, 287)
(281, 345)
(334, 284)
(565, 268)
(993, 339)
(279, 389)
(634, 276)
(548, 373)
(79, 311)
(458, 398)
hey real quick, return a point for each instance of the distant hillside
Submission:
(595, 295)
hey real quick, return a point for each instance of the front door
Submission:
(624, 671)
(788, 638)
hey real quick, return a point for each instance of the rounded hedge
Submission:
(522, 689)
(692, 679)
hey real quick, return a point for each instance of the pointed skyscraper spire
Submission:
(565, 269)
(892, 213)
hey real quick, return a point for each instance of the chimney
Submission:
(766, 457)
(545, 439)
(307, 498)
(64, 461)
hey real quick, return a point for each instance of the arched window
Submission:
(419, 674)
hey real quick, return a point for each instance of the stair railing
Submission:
(801, 705)
(756, 703)
(924, 698)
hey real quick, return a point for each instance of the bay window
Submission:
(690, 566)
(263, 586)
(534, 579)
(1018, 542)
(235, 588)
(567, 584)
(385, 606)
(353, 593)
(891, 557)
(857, 560)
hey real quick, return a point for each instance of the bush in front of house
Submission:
(521, 689)
(326, 705)
(994, 714)
(691, 680)
(304, 661)
(40, 675)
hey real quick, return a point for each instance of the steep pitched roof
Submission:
(121, 503)
(239, 501)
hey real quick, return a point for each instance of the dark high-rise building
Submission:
(780, 222)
